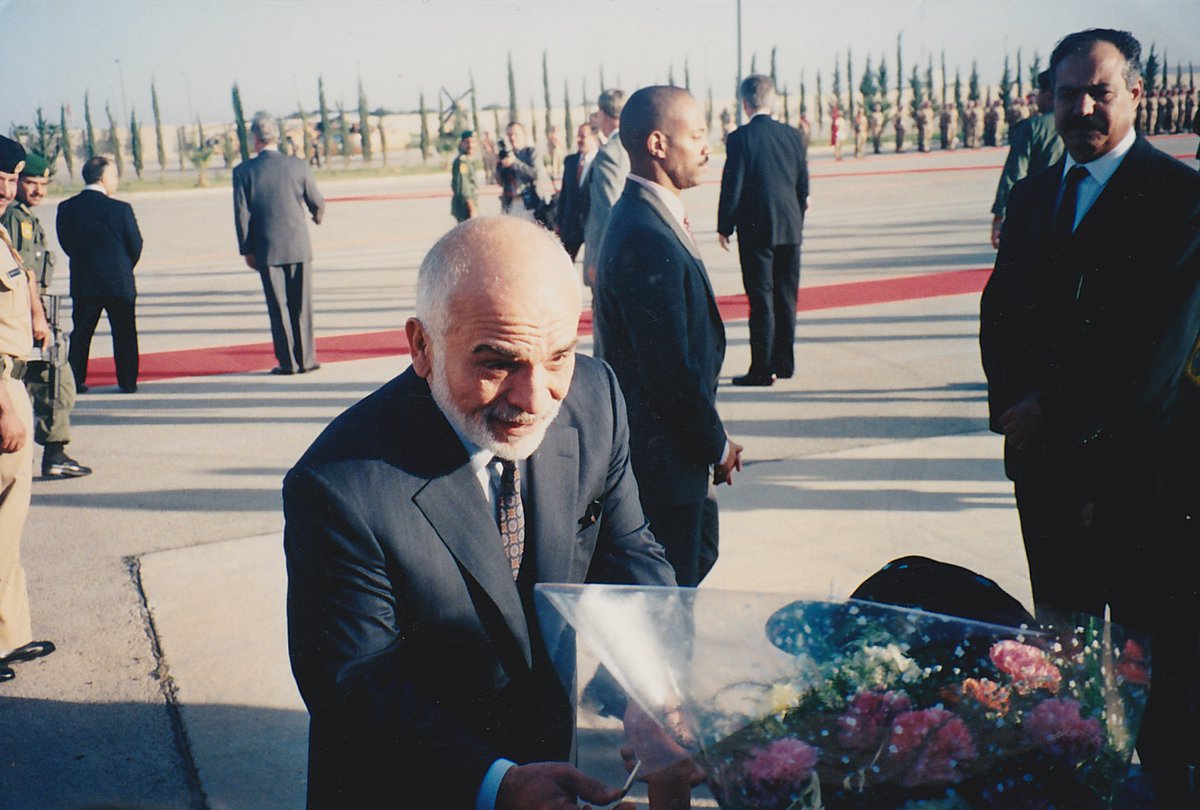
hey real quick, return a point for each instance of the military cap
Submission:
(467, 133)
(35, 166)
(12, 156)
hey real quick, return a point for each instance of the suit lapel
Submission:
(1114, 196)
(553, 480)
(471, 535)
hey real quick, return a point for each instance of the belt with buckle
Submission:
(15, 366)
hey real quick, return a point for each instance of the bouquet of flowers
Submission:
(789, 704)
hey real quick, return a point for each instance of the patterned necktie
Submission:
(1064, 217)
(510, 514)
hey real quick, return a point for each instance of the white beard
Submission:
(475, 426)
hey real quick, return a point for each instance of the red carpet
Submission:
(251, 357)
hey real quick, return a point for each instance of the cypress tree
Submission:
(958, 103)
(973, 82)
(583, 97)
(1150, 77)
(708, 110)
(1035, 67)
(382, 138)
(135, 143)
(884, 104)
(307, 137)
(114, 141)
(424, 142)
(326, 124)
(533, 131)
(512, 91)
(89, 142)
(496, 123)
(787, 113)
(158, 132)
(803, 98)
(687, 76)
(820, 103)
(283, 141)
(364, 124)
(344, 132)
(918, 95)
(1020, 76)
(181, 144)
(44, 147)
(775, 74)
(65, 134)
(867, 87)
(474, 105)
(929, 78)
(837, 85)
(899, 71)
(1165, 82)
(850, 81)
(945, 84)
(239, 118)
(671, 75)
(568, 124)
(546, 91)
(1006, 84)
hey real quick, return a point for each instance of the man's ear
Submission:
(418, 343)
(656, 144)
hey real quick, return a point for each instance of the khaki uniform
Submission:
(860, 133)
(51, 407)
(875, 128)
(16, 469)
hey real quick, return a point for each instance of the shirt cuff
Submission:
(724, 453)
(485, 799)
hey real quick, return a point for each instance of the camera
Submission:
(501, 149)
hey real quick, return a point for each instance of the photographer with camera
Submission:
(525, 187)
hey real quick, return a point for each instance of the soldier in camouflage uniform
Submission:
(875, 128)
(48, 378)
(463, 182)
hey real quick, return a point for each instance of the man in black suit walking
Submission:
(660, 329)
(270, 195)
(1085, 330)
(573, 202)
(420, 520)
(764, 194)
(101, 236)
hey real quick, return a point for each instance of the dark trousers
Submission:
(85, 313)
(689, 533)
(771, 277)
(288, 290)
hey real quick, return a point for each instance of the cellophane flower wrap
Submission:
(790, 704)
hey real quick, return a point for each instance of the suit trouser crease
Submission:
(16, 484)
(771, 277)
(287, 290)
(122, 320)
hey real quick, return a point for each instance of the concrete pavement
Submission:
(160, 576)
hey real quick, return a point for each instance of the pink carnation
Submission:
(868, 718)
(1057, 726)
(929, 747)
(785, 762)
(1029, 667)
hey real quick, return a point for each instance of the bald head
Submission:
(664, 130)
(497, 322)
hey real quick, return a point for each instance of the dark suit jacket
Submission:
(573, 205)
(270, 194)
(419, 659)
(764, 187)
(101, 236)
(661, 332)
(1099, 324)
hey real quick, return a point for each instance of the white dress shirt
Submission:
(1099, 172)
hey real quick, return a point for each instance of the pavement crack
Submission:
(170, 691)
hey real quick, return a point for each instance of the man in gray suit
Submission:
(270, 193)
(609, 170)
(419, 522)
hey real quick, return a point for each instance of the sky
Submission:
(195, 50)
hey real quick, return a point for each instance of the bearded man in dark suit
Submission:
(101, 236)
(573, 201)
(764, 194)
(660, 329)
(418, 523)
(1086, 325)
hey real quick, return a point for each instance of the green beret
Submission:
(12, 156)
(35, 166)
(468, 133)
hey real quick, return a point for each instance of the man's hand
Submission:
(316, 216)
(997, 225)
(250, 262)
(508, 160)
(669, 771)
(553, 786)
(41, 326)
(723, 241)
(723, 471)
(13, 433)
(1024, 424)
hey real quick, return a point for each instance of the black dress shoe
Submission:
(63, 466)
(281, 371)
(128, 389)
(80, 388)
(754, 379)
(783, 375)
(6, 673)
(32, 650)
(313, 367)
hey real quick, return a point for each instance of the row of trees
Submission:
(335, 133)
